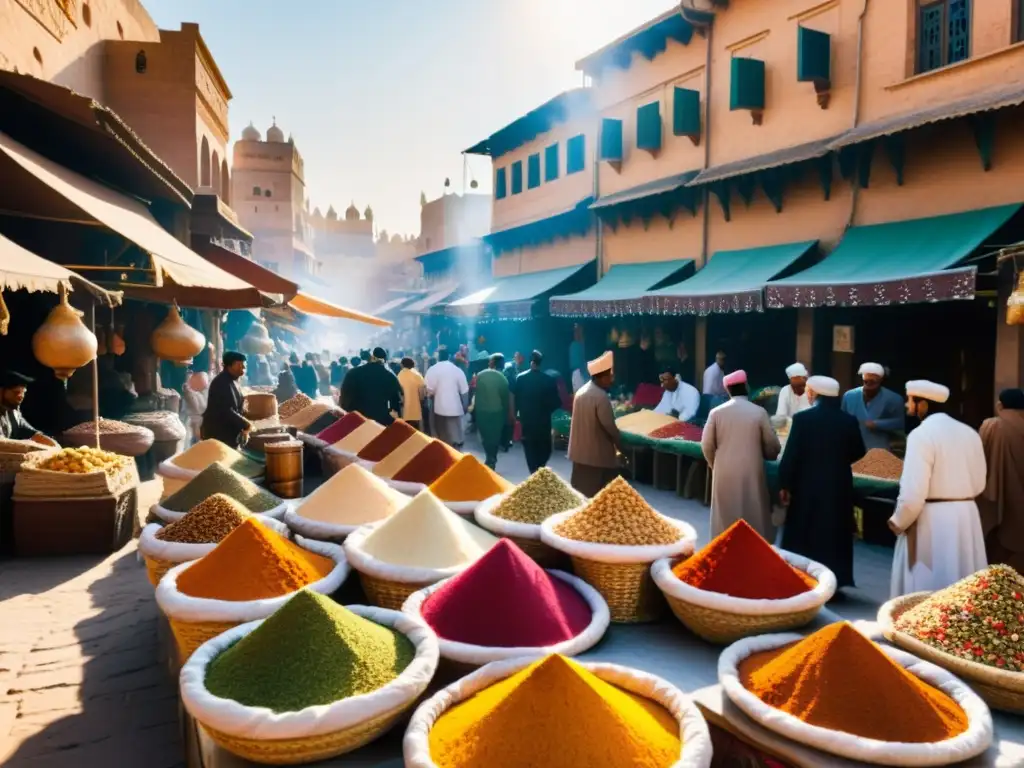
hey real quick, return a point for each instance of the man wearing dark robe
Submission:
(13, 425)
(535, 400)
(224, 419)
(817, 482)
(373, 390)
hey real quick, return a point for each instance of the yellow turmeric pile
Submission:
(469, 480)
(253, 563)
(557, 714)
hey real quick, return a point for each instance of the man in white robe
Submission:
(680, 399)
(793, 396)
(936, 519)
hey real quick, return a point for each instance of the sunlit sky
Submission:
(383, 95)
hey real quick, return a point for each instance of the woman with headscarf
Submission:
(1002, 503)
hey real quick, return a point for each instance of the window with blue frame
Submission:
(551, 163)
(943, 33)
(576, 154)
(648, 126)
(517, 177)
(533, 171)
(500, 184)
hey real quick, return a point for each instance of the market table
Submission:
(670, 651)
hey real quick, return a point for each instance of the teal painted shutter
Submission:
(813, 56)
(500, 185)
(929, 38)
(611, 139)
(959, 31)
(533, 171)
(686, 112)
(747, 84)
(576, 154)
(517, 177)
(648, 127)
(551, 163)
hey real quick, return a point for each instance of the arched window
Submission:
(140, 62)
(215, 173)
(225, 182)
(204, 163)
(266, 193)
(257, 192)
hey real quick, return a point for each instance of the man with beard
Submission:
(878, 410)
(940, 536)
(594, 439)
(793, 397)
(816, 481)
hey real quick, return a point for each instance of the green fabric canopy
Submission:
(514, 296)
(902, 262)
(619, 291)
(731, 281)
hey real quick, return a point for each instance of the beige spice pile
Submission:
(619, 515)
(206, 523)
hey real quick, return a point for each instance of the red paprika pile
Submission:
(396, 433)
(428, 465)
(342, 428)
(742, 564)
(506, 600)
(681, 430)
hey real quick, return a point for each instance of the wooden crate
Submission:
(95, 526)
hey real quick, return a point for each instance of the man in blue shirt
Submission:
(879, 411)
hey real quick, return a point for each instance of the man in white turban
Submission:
(878, 410)
(936, 519)
(793, 397)
(816, 481)
(593, 437)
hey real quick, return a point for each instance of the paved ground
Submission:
(81, 684)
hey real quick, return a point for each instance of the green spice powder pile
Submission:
(310, 652)
(217, 478)
(540, 496)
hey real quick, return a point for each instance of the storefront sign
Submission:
(842, 338)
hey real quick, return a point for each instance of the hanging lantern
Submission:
(1015, 304)
(63, 343)
(257, 341)
(175, 340)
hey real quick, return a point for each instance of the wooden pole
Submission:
(95, 381)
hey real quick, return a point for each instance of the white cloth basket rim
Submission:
(371, 566)
(409, 489)
(468, 653)
(260, 723)
(615, 553)
(673, 586)
(966, 669)
(317, 529)
(168, 468)
(170, 516)
(485, 517)
(693, 729)
(175, 605)
(975, 740)
(462, 508)
(178, 552)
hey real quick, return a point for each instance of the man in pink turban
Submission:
(737, 440)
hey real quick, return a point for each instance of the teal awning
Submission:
(392, 305)
(424, 305)
(514, 297)
(573, 222)
(731, 281)
(619, 292)
(902, 262)
(648, 189)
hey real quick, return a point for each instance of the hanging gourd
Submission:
(257, 341)
(5, 316)
(63, 343)
(1015, 304)
(175, 340)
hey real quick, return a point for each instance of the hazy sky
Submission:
(382, 95)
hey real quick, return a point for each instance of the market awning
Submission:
(731, 281)
(245, 269)
(982, 102)
(513, 297)
(648, 189)
(902, 262)
(576, 221)
(392, 305)
(464, 259)
(786, 156)
(172, 260)
(424, 305)
(20, 269)
(619, 292)
(311, 305)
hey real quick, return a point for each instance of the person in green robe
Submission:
(491, 407)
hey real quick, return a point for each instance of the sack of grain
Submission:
(37, 480)
(115, 436)
(165, 425)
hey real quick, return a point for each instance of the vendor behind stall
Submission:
(14, 426)
(223, 419)
(879, 410)
(680, 399)
(793, 397)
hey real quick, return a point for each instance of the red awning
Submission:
(244, 269)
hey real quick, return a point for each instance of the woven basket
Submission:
(388, 594)
(723, 619)
(156, 568)
(260, 405)
(189, 635)
(541, 553)
(695, 738)
(526, 535)
(622, 574)
(316, 733)
(999, 688)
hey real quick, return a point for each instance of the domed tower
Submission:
(317, 215)
(251, 133)
(368, 213)
(352, 213)
(275, 134)
(332, 215)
